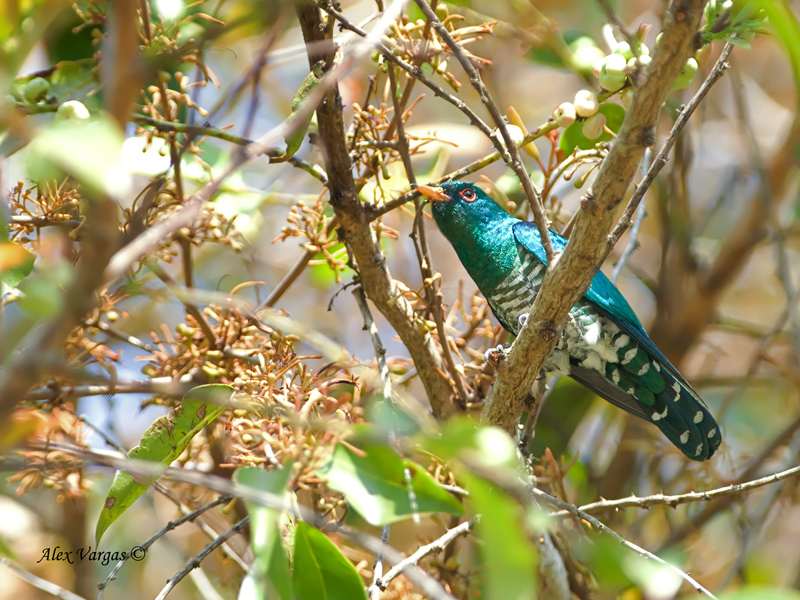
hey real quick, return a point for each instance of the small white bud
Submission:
(586, 103)
(593, 127)
(72, 110)
(565, 114)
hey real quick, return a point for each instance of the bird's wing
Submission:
(603, 294)
(605, 389)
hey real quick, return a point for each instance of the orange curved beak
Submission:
(434, 194)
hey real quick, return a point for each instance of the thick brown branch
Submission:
(356, 232)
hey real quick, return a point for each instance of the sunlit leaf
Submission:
(269, 575)
(16, 263)
(89, 151)
(320, 571)
(162, 443)
(388, 416)
(462, 439)
(374, 483)
(508, 559)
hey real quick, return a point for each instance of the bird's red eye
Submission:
(468, 194)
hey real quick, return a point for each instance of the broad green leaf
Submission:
(41, 297)
(462, 439)
(16, 263)
(320, 571)
(604, 558)
(389, 417)
(509, 561)
(43, 292)
(162, 443)
(88, 150)
(269, 575)
(573, 135)
(374, 484)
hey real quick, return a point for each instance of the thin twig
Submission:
(720, 504)
(661, 159)
(294, 272)
(415, 72)
(633, 241)
(166, 529)
(165, 386)
(208, 332)
(437, 545)
(469, 169)
(677, 499)
(124, 337)
(195, 561)
(614, 20)
(372, 329)
(43, 221)
(435, 299)
(374, 590)
(573, 510)
(507, 147)
(39, 583)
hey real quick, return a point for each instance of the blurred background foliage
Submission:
(149, 109)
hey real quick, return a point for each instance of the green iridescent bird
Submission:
(603, 346)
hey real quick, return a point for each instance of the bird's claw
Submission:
(495, 356)
(522, 319)
(571, 320)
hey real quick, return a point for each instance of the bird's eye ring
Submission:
(468, 194)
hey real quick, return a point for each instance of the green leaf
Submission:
(69, 76)
(41, 297)
(374, 484)
(604, 557)
(88, 150)
(488, 447)
(269, 575)
(509, 562)
(389, 417)
(320, 571)
(16, 263)
(737, 41)
(162, 443)
(573, 135)
(298, 124)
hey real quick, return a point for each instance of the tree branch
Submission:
(677, 499)
(569, 508)
(356, 232)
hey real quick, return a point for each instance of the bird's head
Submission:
(460, 208)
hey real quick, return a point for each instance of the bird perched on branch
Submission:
(603, 345)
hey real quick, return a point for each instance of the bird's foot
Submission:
(572, 322)
(497, 355)
(522, 319)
